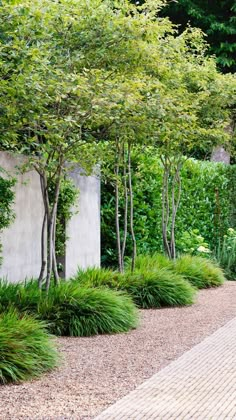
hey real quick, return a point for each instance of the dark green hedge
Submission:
(207, 204)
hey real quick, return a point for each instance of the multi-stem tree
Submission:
(196, 103)
(76, 73)
(56, 60)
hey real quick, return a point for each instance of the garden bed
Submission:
(97, 371)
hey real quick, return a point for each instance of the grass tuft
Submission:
(96, 277)
(71, 309)
(82, 311)
(26, 349)
(148, 289)
(149, 262)
(200, 272)
(156, 289)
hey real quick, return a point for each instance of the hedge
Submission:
(207, 204)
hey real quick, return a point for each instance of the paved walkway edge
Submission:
(201, 385)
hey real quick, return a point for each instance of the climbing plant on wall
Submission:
(6, 199)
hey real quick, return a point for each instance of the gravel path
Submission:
(97, 371)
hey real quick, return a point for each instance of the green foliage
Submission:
(216, 18)
(83, 312)
(148, 288)
(96, 277)
(156, 289)
(6, 199)
(193, 243)
(226, 254)
(67, 199)
(7, 196)
(149, 262)
(125, 79)
(207, 205)
(26, 349)
(72, 310)
(200, 272)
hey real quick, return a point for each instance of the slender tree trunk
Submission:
(43, 252)
(117, 199)
(54, 262)
(131, 209)
(51, 262)
(165, 207)
(50, 252)
(171, 168)
(44, 231)
(175, 206)
(126, 197)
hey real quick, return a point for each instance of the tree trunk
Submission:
(51, 260)
(165, 207)
(43, 252)
(50, 252)
(54, 261)
(126, 207)
(131, 209)
(171, 168)
(44, 231)
(117, 199)
(175, 206)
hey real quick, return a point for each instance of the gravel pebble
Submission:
(97, 371)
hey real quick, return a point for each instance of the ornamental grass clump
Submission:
(81, 311)
(72, 309)
(23, 296)
(200, 272)
(156, 289)
(149, 262)
(149, 288)
(96, 277)
(26, 349)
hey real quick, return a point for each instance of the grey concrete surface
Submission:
(21, 240)
(200, 385)
(219, 154)
(83, 230)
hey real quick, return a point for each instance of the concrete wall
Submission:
(83, 246)
(21, 241)
(219, 154)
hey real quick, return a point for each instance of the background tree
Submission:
(217, 19)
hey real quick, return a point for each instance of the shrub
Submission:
(26, 350)
(200, 272)
(193, 243)
(73, 310)
(207, 199)
(155, 289)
